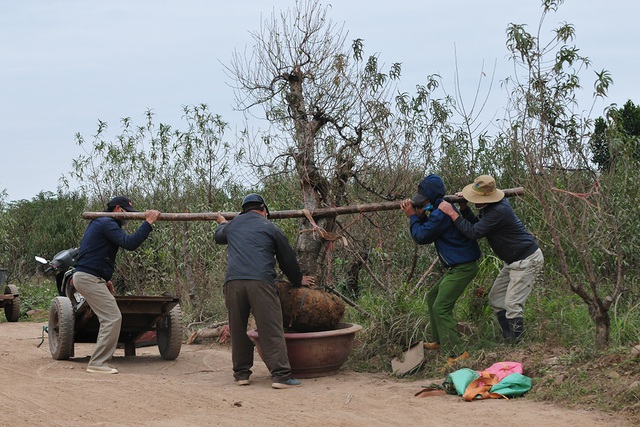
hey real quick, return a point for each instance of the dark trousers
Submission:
(241, 297)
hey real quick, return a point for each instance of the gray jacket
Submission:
(255, 244)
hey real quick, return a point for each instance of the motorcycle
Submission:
(62, 265)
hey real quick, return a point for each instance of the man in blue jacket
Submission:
(510, 241)
(458, 256)
(94, 268)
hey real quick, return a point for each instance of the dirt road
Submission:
(197, 390)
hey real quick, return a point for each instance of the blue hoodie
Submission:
(452, 246)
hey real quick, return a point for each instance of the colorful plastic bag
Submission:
(458, 381)
(513, 385)
(503, 369)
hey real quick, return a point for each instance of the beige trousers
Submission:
(103, 304)
(514, 283)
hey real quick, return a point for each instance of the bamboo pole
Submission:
(296, 213)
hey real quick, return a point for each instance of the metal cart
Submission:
(10, 299)
(140, 314)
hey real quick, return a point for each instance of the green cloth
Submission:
(512, 385)
(458, 381)
(441, 300)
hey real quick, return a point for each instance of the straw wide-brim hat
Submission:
(483, 190)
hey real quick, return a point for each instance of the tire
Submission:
(169, 334)
(61, 328)
(12, 309)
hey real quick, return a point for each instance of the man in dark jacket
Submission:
(94, 268)
(458, 256)
(253, 242)
(510, 241)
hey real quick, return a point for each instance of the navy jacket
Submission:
(504, 231)
(100, 243)
(452, 246)
(253, 242)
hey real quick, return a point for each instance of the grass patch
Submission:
(557, 354)
(35, 299)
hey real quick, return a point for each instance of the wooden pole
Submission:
(299, 213)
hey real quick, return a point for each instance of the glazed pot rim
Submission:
(341, 329)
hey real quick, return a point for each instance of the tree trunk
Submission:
(602, 321)
(308, 248)
(314, 186)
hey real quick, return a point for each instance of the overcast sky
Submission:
(65, 64)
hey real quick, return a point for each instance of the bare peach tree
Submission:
(332, 127)
(551, 134)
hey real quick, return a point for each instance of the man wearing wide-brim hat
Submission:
(510, 241)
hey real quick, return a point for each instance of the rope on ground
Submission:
(44, 329)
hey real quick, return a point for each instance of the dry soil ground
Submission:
(197, 390)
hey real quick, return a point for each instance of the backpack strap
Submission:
(498, 396)
(479, 388)
(432, 390)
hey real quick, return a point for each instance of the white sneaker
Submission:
(106, 369)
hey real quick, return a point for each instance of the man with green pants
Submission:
(458, 256)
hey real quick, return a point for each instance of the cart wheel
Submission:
(169, 334)
(61, 324)
(12, 309)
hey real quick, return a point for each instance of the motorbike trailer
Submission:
(10, 299)
(71, 323)
(145, 319)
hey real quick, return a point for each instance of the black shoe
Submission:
(517, 329)
(504, 324)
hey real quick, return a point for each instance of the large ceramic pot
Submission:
(316, 354)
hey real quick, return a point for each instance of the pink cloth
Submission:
(502, 369)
